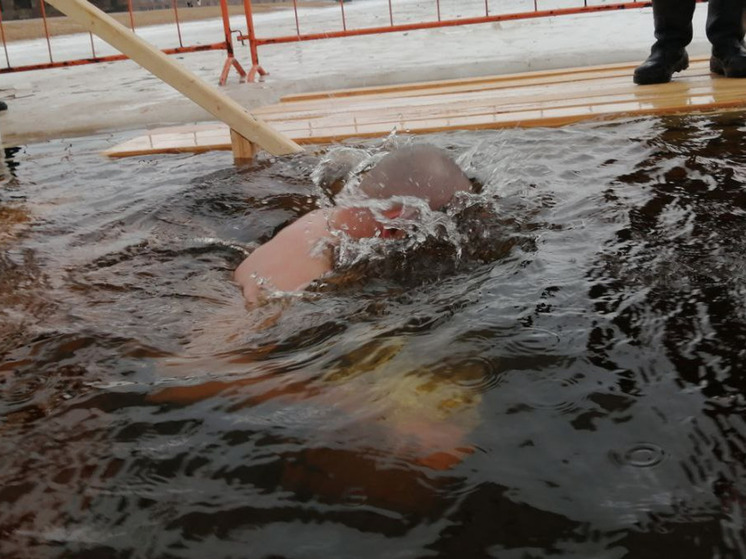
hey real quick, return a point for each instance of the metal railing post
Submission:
(176, 19)
(230, 60)
(255, 67)
(46, 29)
(2, 37)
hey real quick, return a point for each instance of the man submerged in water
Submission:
(304, 250)
(425, 418)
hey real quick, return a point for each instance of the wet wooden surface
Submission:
(550, 98)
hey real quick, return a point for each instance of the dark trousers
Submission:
(673, 22)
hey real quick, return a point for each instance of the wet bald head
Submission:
(423, 171)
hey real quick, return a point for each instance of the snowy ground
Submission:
(122, 96)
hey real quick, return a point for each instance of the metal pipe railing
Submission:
(54, 62)
(489, 16)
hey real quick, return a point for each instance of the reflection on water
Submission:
(554, 367)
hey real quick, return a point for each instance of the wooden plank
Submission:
(503, 102)
(393, 115)
(326, 103)
(467, 82)
(538, 93)
(537, 99)
(166, 69)
(504, 80)
(207, 137)
(681, 98)
(545, 116)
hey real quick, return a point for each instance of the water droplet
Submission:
(641, 455)
(644, 455)
(533, 341)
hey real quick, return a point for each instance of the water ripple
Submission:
(641, 455)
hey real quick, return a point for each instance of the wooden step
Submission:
(547, 98)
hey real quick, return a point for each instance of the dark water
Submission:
(560, 373)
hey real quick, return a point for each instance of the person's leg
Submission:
(725, 30)
(673, 32)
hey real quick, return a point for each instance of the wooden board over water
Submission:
(550, 98)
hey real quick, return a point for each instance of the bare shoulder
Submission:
(297, 255)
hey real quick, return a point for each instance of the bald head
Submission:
(422, 171)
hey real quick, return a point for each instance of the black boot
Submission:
(673, 32)
(3, 106)
(661, 65)
(725, 30)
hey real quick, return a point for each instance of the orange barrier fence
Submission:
(55, 59)
(493, 12)
(296, 29)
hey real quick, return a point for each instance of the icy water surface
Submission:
(555, 367)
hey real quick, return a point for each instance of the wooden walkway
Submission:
(550, 98)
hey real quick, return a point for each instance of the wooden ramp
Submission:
(550, 98)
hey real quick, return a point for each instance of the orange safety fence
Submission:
(20, 56)
(491, 11)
